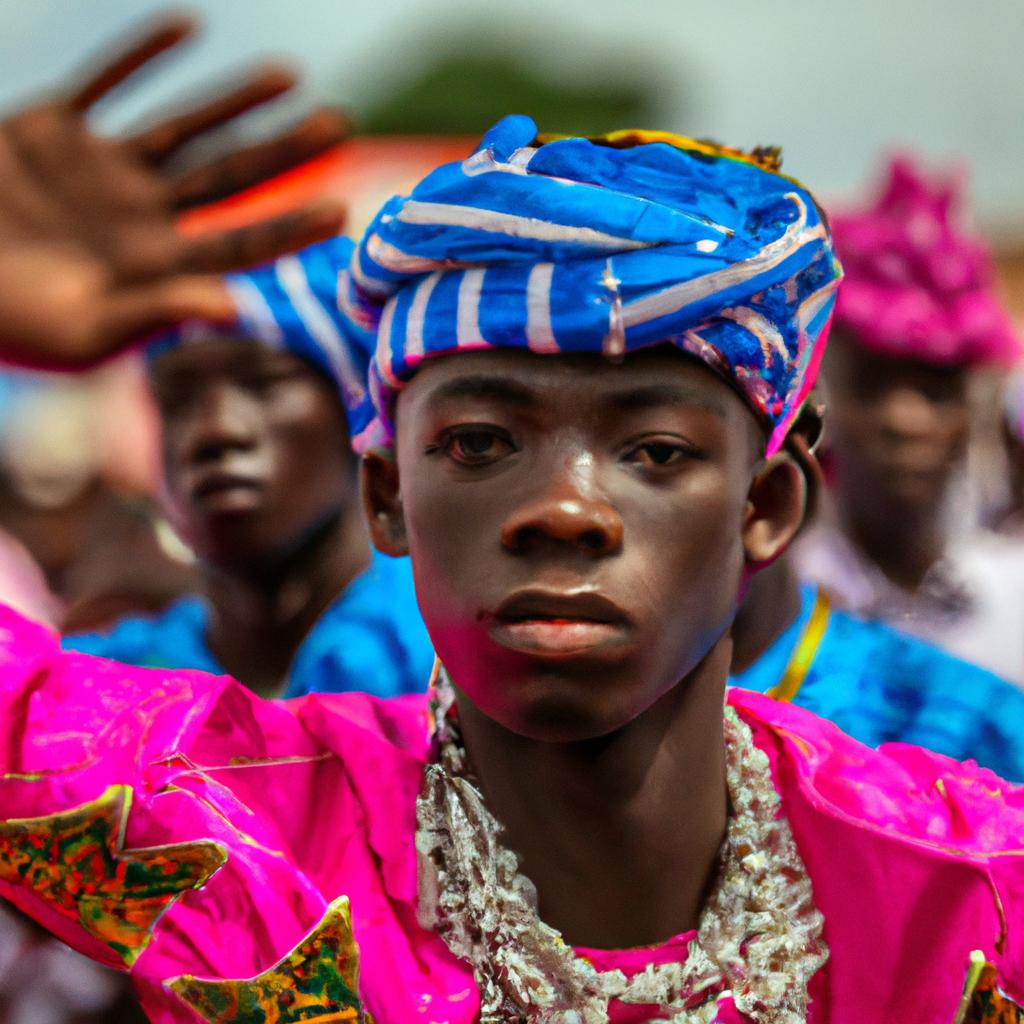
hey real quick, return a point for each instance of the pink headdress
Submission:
(915, 286)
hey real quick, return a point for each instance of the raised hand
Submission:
(90, 255)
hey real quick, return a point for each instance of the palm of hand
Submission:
(90, 254)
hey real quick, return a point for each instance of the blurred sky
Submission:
(835, 83)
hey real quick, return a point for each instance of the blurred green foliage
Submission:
(468, 87)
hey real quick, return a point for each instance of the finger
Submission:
(258, 243)
(159, 142)
(167, 33)
(142, 312)
(237, 171)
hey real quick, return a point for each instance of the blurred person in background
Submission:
(66, 491)
(1010, 519)
(876, 683)
(917, 313)
(261, 483)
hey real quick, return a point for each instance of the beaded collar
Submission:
(759, 939)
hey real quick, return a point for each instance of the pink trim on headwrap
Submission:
(914, 284)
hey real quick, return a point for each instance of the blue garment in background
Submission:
(370, 639)
(881, 686)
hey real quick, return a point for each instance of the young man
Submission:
(588, 355)
(916, 315)
(262, 484)
(876, 683)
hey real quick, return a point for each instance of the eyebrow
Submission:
(654, 395)
(649, 396)
(500, 389)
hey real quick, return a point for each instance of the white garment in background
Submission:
(971, 603)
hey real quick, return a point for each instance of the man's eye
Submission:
(266, 380)
(474, 447)
(656, 453)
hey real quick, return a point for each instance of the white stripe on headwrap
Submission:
(417, 313)
(450, 215)
(483, 162)
(814, 304)
(521, 158)
(467, 323)
(391, 257)
(371, 285)
(614, 343)
(673, 299)
(254, 311)
(292, 276)
(383, 357)
(540, 335)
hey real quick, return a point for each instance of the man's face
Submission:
(255, 450)
(897, 427)
(576, 527)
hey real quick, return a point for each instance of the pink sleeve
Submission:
(141, 810)
(921, 853)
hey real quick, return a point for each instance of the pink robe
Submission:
(915, 860)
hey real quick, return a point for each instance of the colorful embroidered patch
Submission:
(317, 981)
(984, 1002)
(77, 863)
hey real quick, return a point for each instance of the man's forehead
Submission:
(849, 358)
(649, 377)
(220, 355)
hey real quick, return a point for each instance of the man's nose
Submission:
(907, 413)
(223, 418)
(566, 515)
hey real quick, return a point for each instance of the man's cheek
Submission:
(443, 581)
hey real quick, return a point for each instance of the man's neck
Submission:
(770, 605)
(904, 544)
(259, 619)
(620, 835)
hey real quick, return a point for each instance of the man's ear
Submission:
(382, 503)
(776, 505)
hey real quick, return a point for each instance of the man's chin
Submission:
(913, 496)
(550, 710)
(238, 553)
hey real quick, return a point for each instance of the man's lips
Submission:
(559, 624)
(897, 477)
(225, 491)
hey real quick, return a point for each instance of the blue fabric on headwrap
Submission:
(292, 304)
(573, 245)
(598, 246)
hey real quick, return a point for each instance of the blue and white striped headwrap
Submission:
(572, 245)
(292, 304)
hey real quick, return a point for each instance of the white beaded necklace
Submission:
(759, 938)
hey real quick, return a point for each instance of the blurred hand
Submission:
(90, 255)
